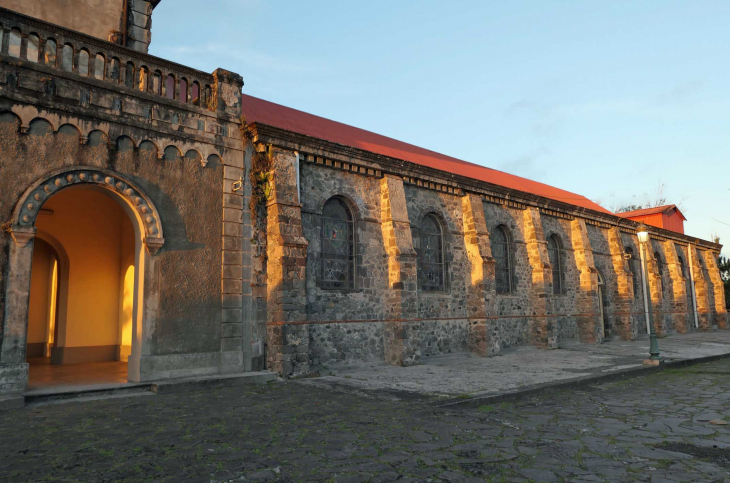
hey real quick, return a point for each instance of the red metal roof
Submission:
(264, 112)
(651, 211)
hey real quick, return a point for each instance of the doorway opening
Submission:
(84, 286)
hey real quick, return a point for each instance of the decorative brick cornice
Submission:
(262, 133)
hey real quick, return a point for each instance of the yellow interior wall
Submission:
(91, 227)
(40, 296)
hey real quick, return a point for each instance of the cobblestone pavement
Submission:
(654, 428)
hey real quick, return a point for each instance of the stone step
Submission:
(65, 393)
(189, 384)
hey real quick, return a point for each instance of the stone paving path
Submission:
(651, 429)
(517, 368)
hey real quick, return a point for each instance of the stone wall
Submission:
(380, 317)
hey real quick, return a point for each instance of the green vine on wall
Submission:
(261, 190)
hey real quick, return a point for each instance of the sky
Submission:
(609, 99)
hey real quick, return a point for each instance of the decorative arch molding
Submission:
(27, 115)
(26, 211)
(347, 199)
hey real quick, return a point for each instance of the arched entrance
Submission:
(92, 235)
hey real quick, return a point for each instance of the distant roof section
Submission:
(651, 211)
(264, 112)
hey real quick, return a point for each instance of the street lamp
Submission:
(642, 233)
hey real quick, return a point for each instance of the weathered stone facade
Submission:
(387, 315)
(174, 160)
(239, 265)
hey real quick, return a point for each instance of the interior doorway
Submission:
(84, 287)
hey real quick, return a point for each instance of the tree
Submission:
(658, 198)
(724, 264)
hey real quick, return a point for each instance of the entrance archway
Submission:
(136, 292)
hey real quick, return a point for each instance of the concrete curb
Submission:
(573, 383)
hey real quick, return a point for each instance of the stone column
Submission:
(625, 288)
(720, 310)
(679, 307)
(587, 304)
(543, 328)
(13, 368)
(701, 290)
(655, 291)
(481, 292)
(401, 330)
(286, 248)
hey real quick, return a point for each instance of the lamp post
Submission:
(654, 358)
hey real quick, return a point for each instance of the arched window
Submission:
(680, 259)
(184, 90)
(635, 267)
(501, 242)
(157, 83)
(170, 87)
(50, 53)
(195, 93)
(660, 268)
(67, 58)
(84, 62)
(142, 79)
(129, 75)
(114, 69)
(99, 66)
(14, 43)
(432, 255)
(556, 256)
(33, 49)
(338, 246)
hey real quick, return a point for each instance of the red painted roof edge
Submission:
(651, 211)
(260, 111)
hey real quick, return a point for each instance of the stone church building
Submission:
(154, 215)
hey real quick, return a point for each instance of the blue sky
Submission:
(607, 99)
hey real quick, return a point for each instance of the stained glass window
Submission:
(555, 254)
(432, 255)
(338, 248)
(502, 254)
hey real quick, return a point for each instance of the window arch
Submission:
(114, 69)
(157, 83)
(501, 242)
(129, 75)
(634, 266)
(170, 87)
(84, 62)
(67, 58)
(142, 79)
(14, 41)
(556, 256)
(183, 90)
(432, 255)
(660, 268)
(208, 96)
(195, 93)
(337, 246)
(99, 66)
(32, 52)
(682, 265)
(49, 52)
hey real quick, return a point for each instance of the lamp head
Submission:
(642, 232)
